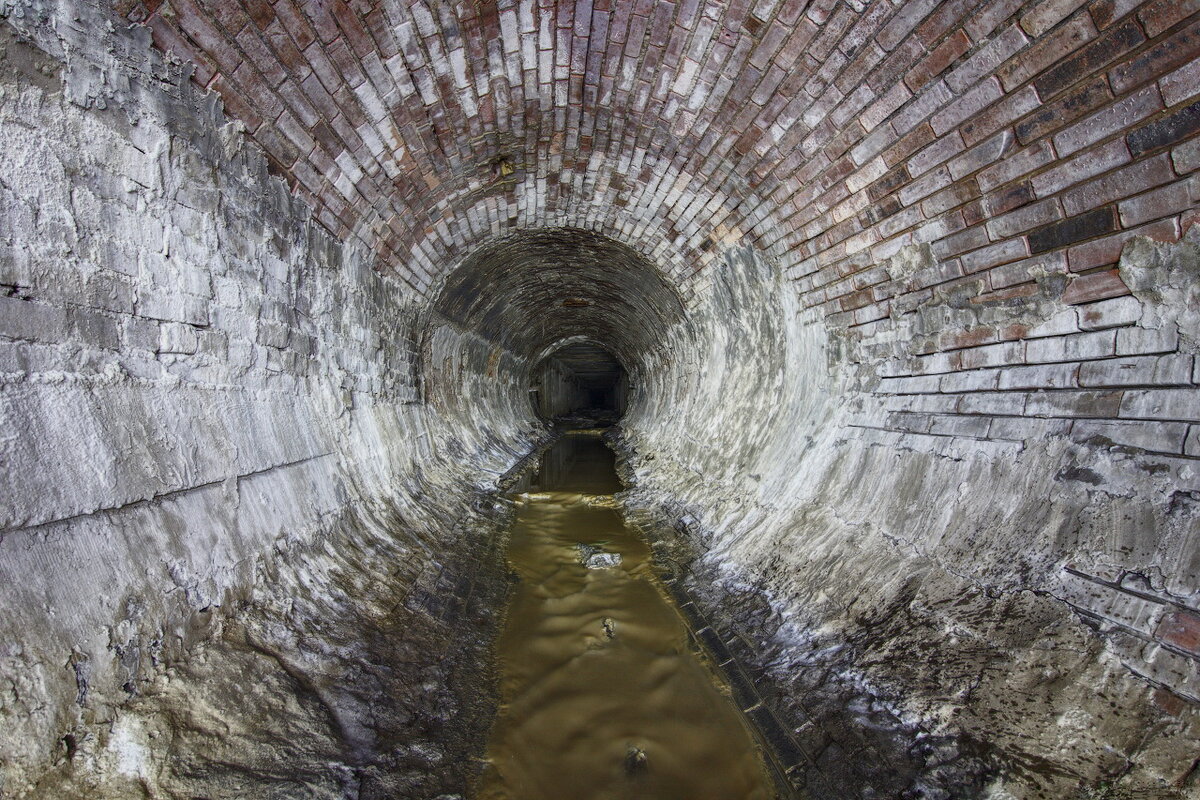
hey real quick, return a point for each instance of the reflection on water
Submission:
(601, 697)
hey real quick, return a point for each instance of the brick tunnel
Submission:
(897, 302)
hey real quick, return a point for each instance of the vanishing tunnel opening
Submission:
(570, 319)
(580, 378)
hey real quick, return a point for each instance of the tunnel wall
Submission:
(558, 391)
(227, 514)
(941, 460)
(929, 559)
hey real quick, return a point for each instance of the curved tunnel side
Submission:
(253, 473)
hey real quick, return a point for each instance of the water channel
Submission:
(602, 698)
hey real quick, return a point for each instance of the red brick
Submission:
(976, 100)
(295, 23)
(889, 182)
(1110, 46)
(261, 56)
(236, 105)
(961, 242)
(1016, 165)
(1116, 117)
(286, 51)
(986, 20)
(1096, 161)
(936, 62)
(1163, 202)
(1073, 229)
(954, 195)
(1047, 51)
(893, 67)
(169, 40)
(1095, 286)
(1108, 250)
(230, 17)
(261, 13)
(1000, 114)
(1162, 14)
(1074, 104)
(1175, 51)
(1168, 702)
(1126, 182)
(1106, 12)
(1046, 14)
(942, 149)
(914, 141)
(1010, 198)
(1182, 84)
(1000, 253)
(981, 156)
(947, 15)
(1024, 218)
(907, 17)
(1181, 629)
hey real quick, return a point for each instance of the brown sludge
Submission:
(602, 697)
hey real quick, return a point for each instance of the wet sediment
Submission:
(603, 690)
(827, 735)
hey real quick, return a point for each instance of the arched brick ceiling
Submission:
(403, 120)
(533, 290)
(829, 134)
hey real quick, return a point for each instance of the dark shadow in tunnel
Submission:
(577, 311)
(581, 379)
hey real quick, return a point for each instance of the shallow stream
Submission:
(601, 695)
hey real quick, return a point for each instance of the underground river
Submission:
(601, 694)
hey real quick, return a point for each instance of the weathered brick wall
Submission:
(830, 133)
(926, 358)
(215, 444)
(1023, 143)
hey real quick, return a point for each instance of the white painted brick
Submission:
(1138, 371)
(928, 403)
(172, 307)
(994, 403)
(1108, 602)
(935, 363)
(1162, 437)
(993, 355)
(1192, 446)
(915, 385)
(1062, 322)
(1074, 347)
(175, 337)
(1133, 341)
(1019, 429)
(33, 321)
(954, 425)
(982, 448)
(1073, 404)
(1110, 313)
(979, 380)
(1049, 376)
(906, 421)
(1181, 404)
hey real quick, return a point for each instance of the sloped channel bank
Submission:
(603, 690)
(827, 733)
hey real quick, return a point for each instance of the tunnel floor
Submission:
(602, 696)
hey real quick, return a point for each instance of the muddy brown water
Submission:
(601, 696)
